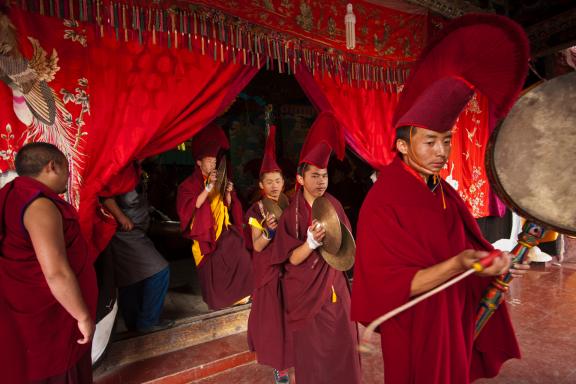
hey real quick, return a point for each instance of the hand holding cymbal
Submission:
(338, 247)
(271, 221)
(318, 231)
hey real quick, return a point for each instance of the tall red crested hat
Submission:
(484, 53)
(209, 141)
(325, 135)
(269, 159)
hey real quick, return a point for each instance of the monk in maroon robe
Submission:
(317, 297)
(415, 232)
(267, 334)
(214, 223)
(46, 276)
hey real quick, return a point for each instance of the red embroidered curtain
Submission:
(57, 108)
(366, 115)
(465, 170)
(126, 101)
(395, 31)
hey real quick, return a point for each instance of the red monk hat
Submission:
(484, 53)
(269, 160)
(324, 136)
(209, 141)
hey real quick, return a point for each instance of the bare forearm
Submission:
(201, 198)
(429, 278)
(113, 208)
(300, 254)
(64, 286)
(259, 242)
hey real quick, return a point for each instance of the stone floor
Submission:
(543, 308)
(542, 305)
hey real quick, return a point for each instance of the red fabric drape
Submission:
(148, 99)
(366, 114)
(122, 101)
(465, 169)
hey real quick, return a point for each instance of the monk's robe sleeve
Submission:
(387, 258)
(195, 223)
(252, 212)
(236, 211)
(285, 240)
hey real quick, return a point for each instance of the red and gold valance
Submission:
(276, 34)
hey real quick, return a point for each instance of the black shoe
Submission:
(162, 324)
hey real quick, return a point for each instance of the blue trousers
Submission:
(141, 303)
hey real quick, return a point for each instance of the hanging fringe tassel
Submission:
(225, 38)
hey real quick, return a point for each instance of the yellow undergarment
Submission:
(221, 220)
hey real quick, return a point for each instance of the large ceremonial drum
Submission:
(531, 156)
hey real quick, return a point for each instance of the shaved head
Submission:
(33, 157)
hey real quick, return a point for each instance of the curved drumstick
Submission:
(479, 266)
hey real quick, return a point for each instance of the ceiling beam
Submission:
(553, 34)
(449, 8)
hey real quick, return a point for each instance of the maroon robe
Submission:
(12, 353)
(49, 333)
(267, 334)
(225, 272)
(325, 339)
(402, 229)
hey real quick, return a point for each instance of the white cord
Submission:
(365, 345)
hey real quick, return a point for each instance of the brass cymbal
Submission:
(221, 180)
(342, 260)
(272, 207)
(283, 201)
(323, 211)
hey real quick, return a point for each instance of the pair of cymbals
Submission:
(338, 247)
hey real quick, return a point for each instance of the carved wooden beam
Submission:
(449, 8)
(553, 34)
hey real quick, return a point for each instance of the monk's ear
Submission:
(300, 180)
(198, 163)
(261, 185)
(51, 166)
(402, 146)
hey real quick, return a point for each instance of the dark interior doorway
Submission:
(244, 125)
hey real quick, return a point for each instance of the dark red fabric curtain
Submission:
(146, 99)
(465, 170)
(117, 101)
(366, 114)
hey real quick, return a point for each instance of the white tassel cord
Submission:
(365, 345)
